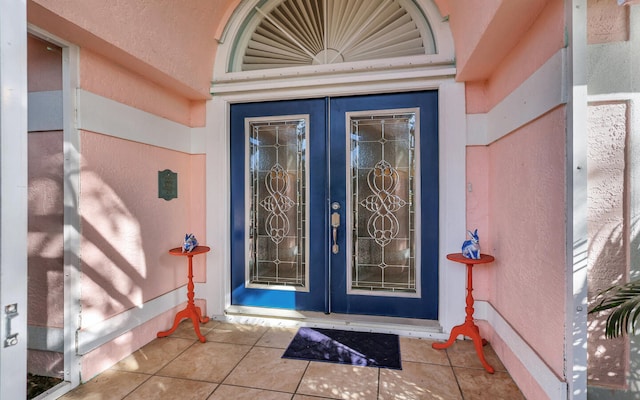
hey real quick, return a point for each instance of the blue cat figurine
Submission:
(190, 243)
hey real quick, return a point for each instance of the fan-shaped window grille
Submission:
(293, 33)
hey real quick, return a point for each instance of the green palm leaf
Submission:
(625, 300)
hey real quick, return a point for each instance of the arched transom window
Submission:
(294, 33)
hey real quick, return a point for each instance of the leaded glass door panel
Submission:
(278, 177)
(384, 174)
(340, 217)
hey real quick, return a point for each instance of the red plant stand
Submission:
(191, 311)
(468, 328)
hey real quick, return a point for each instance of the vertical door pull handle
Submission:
(335, 223)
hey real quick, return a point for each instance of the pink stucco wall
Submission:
(543, 39)
(518, 199)
(109, 79)
(527, 213)
(120, 31)
(607, 22)
(45, 241)
(44, 65)
(45, 216)
(608, 228)
(127, 230)
(478, 213)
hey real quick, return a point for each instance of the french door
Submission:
(334, 204)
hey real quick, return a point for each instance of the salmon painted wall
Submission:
(518, 201)
(524, 214)
(45, 218)
(127, 230)
(544, 38)
(108, 79)
(120, 31)
(171, 69)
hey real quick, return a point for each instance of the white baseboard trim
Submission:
(95, 336)
(543, 91)
(539, 370)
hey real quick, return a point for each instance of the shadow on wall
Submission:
(45, 253)
(613, 363)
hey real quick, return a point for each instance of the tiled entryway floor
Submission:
(244, 362)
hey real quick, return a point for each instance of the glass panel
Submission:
(277, 179)
(383, 165)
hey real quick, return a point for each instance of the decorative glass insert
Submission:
(277, 206)
(383, 204)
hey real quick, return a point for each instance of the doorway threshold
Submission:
(419, 328)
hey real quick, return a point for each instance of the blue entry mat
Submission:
(346, 347)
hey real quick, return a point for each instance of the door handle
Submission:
(10, 311)
(335, 223)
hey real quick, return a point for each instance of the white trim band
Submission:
(45, 111)
(543, 91)
(102, 115)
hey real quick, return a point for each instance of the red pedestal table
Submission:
(468, 328)
(191, 311)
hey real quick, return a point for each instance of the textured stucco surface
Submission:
(108, 79)
(127, 230)
(478, 214)
(608, 228)
(606, 22)
(44, 67)
(181, 47)
(45, 240)
(535, 46)
(527, 218)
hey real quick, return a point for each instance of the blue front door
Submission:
(334, 205)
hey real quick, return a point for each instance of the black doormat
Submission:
(346, 347)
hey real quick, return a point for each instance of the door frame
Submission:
(71, 218)
(452, 154)
(13, 189)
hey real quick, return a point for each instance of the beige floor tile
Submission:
(304, 397)
(110, 385)
(153, 356)
(264, 368)
(187, 331)
(162, 387)
(338, 381)
(236, 333)
(419, 381)
(420, 350)
(209, 361)
(226, 392)
(477, 384)
(277, 337)
(462, 353)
